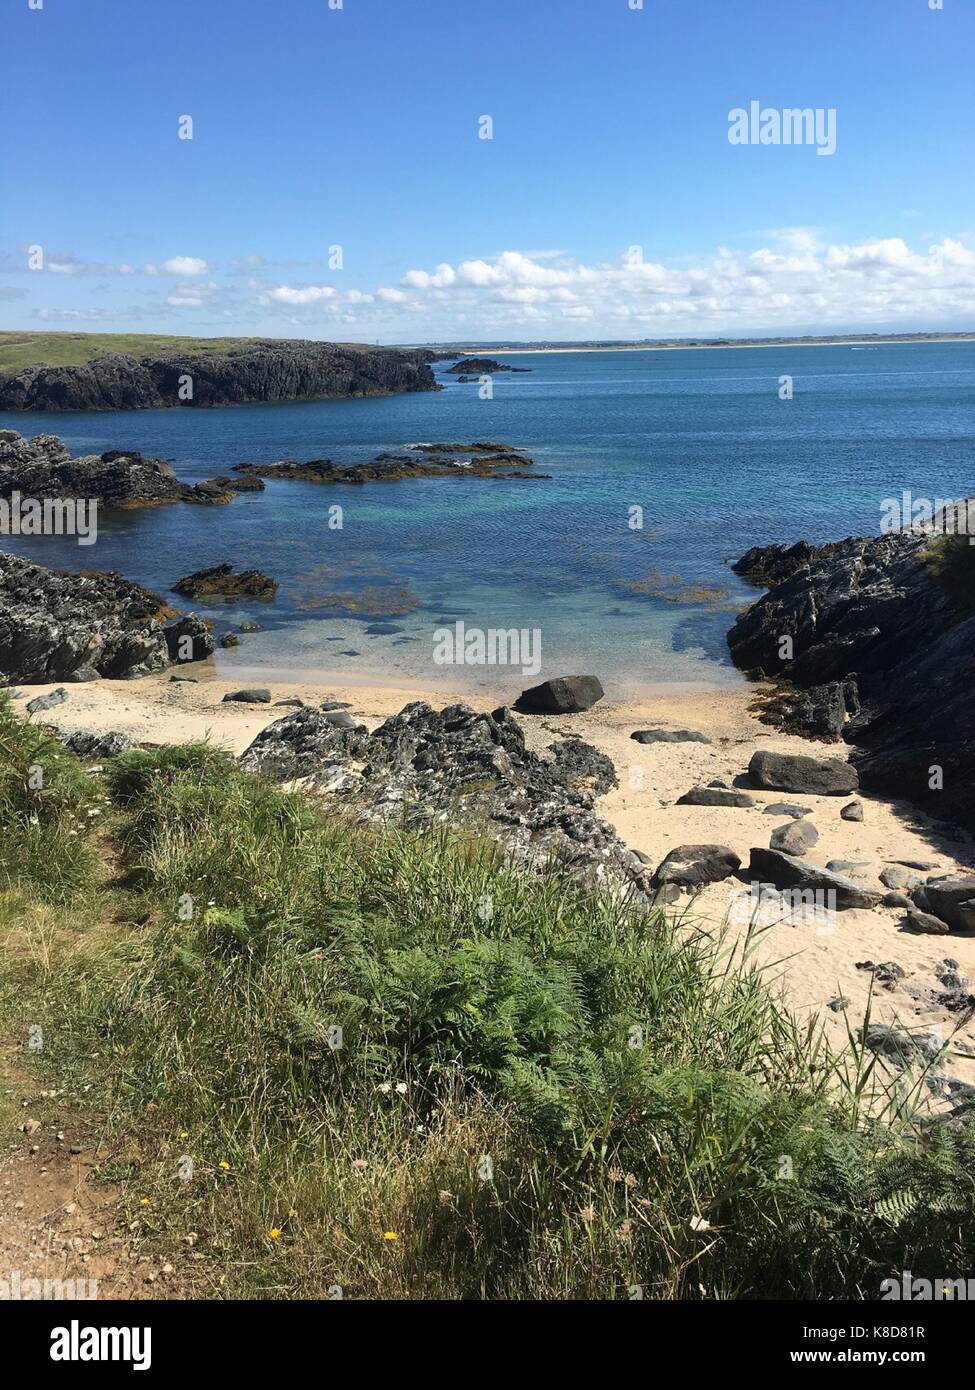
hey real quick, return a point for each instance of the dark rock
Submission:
(54, 625)
(795, 837)
(258, 371)
(295, 703)
(787, 871)
(948, 898)
(888, 973)
(92, 747)
(668, 736)
(900, 1047)
(189, 639)
(184, 680)
(877, 610)
(692, 866)
(794, 772)
(893, 877)
(220, 582)
(922, 865)
(786, 808)
(853, 811)
(463, 769)
(335, 704)
(42, 467)
(49, 701)
(382, 629)
(895, 899)
(420, 461)
(255, 696)
(249, 625)
(715, 796)
(840, 1004)
(482, 366)
(561, 695)
(230, 639)
(926, 923)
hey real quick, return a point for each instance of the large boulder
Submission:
(787, 871)
(692, 866)
(794, 772)
(952, 898)
(189, 639)
(561, 695)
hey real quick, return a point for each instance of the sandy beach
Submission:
(811, 964)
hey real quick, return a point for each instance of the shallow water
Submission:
(699, 439)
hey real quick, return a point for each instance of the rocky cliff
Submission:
(272, 371)
(880, 653)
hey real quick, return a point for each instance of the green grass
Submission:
(951, 559)
(20, 350)
(539, 1093)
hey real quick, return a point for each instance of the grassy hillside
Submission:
(19, 350)
(552, 1097)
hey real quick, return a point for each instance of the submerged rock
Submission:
(220, 581)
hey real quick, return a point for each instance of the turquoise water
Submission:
(699, 439)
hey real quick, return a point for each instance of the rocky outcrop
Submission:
(259, 371)
(788, 871)
(889, 619)
(472, 771)
(42, 467)
(220, 581)
(419, 461)
(482, 366)
(56, 626)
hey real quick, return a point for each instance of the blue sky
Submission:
(358, 128)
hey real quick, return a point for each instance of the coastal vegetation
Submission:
(328, 1061)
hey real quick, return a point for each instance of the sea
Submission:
(665, 466)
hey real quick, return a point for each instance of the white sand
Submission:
(809, 964)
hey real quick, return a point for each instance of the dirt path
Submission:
(59, 1224)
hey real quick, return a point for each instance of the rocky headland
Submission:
(263, 371)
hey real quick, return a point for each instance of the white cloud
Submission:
(301, 294)
(797, 280)
(179, 265)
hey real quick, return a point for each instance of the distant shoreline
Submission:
(713, 347)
